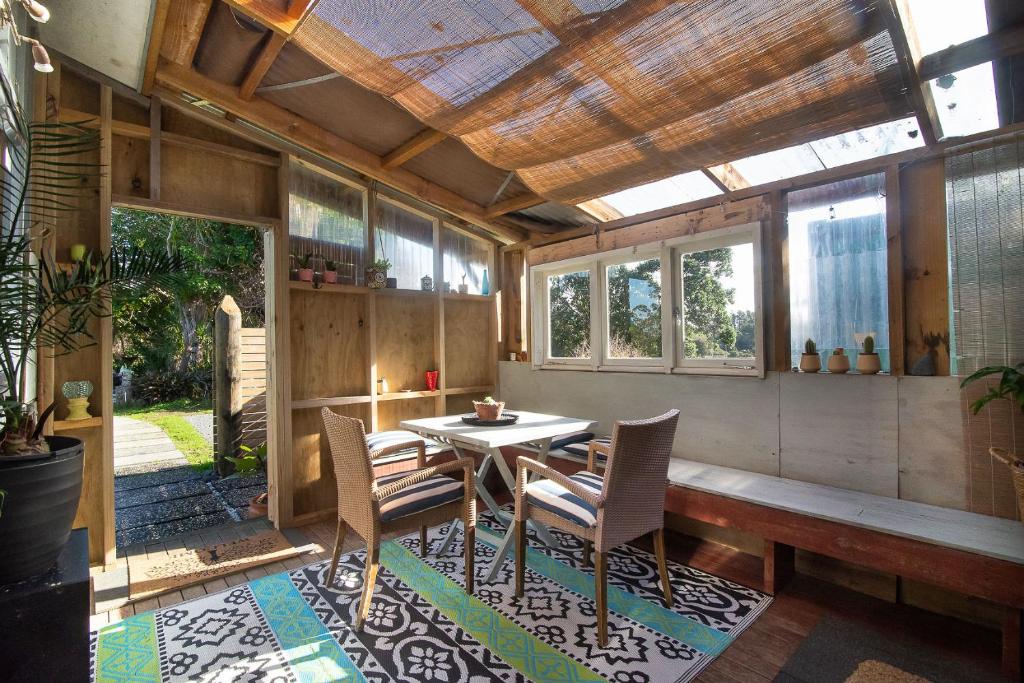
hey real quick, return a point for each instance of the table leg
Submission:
(481, 491)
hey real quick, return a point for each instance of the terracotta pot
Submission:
(838, 364)
(489, 411)
(258, 506)
(869, 364)
(810, 362)
(305, 274)
(331, 277)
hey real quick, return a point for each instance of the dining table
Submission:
(532, 431)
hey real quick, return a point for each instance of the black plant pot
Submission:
(39, 508)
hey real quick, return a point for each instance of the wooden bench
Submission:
(973, 554)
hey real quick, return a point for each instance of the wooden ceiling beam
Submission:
(727, 177)
(513, 204)
(1005, 43)
(299, 131)
(716, 181)
(282, 21)
(896, 15)
(271, 49)
(599, 210)
(183, 30)
(412, 147)
(156, 40)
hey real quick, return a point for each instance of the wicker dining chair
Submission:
(394, 503)
(626, 502)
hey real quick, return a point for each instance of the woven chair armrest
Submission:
(530, 465)
(420, 446)
(1004, 456)
(417, 476)
(595, 448)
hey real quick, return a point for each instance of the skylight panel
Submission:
(966, 101)
(678, 189)
(941, 23)
(782, 163)
(868, 143)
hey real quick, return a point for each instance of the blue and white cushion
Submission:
(583, 449)
(378, 440)
(553, 497)
(429, 493)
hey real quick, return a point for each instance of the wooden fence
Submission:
(239, 385)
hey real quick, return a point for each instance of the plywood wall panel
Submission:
(932, 466)
(314, 486)
(90, 511)
(404, 330)
(329, 344)
(129, 171)
(467, 341)
(391, 413)
(198, 179)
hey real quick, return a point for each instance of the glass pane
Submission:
(966, 101)
(678, 189)
(465, 262)
(325, 218)
(838, 284)
(634, 309)
(782, 163)
(718, 303)
(406, 239)
(569, 297)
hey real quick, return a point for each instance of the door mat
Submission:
(181, 568)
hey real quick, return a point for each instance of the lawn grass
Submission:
(170, 417)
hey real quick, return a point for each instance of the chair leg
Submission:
(520, 556)
(588, 549)
(470, 550)
(659, 552)
(369, 579)
(339, 540)
(601, 591)
(423, 541)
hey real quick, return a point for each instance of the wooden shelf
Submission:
(298, 285)
(404, 292)
(67, 425)
(455, 296)
(328, 402)
(486, 389)
(402, 395)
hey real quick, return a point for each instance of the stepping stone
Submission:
(143, 479)
(167, 511)
(156, 494)
(157, 532)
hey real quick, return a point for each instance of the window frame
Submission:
(726, 237)
(668, 252)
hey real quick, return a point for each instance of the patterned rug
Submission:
(423, 627)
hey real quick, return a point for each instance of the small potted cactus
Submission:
(868, 362)
(305, 263)
(838, 362)
(489, 409)
(810, 360)
(330, 272)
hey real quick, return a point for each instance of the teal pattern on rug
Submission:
(127, 652)
(312, 653)
(651, 614)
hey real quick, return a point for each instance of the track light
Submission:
(40, 56)
(36, 10)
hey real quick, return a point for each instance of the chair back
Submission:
(636, 478)
(353, 471)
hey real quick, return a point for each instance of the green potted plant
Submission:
(330, 272)
(377, 273)
(251, 462)
(868, 362)
(46, 305)
(838, 362)
(810, 360)
(305, 263)
(1011, 388)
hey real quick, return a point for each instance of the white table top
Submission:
(981, 534)
(530, 428)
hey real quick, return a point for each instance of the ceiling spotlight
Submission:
(36, 10)
(40, 56)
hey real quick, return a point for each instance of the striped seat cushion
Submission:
(378, 440)
(583, 449)
(554, 497)
(429, 493)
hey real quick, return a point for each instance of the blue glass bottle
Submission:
(485, 288)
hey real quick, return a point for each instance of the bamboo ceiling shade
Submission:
(587, 97)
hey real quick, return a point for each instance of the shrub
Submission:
(161, 386)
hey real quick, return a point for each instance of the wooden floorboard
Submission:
(757, 654)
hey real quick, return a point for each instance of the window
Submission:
(720, 290)
(838, 264)
(568, 320)
(633, 306)
(326, 218)
(405, 238)
(466, 261)
(689, 304)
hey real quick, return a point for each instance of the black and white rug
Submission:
(423, 627)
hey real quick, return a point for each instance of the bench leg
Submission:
(779, 561)
(1012, 643)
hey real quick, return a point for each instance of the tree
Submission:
(173, 329)
(570, 315)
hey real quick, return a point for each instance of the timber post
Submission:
(227, 383)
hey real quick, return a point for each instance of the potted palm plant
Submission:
(44, 304)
